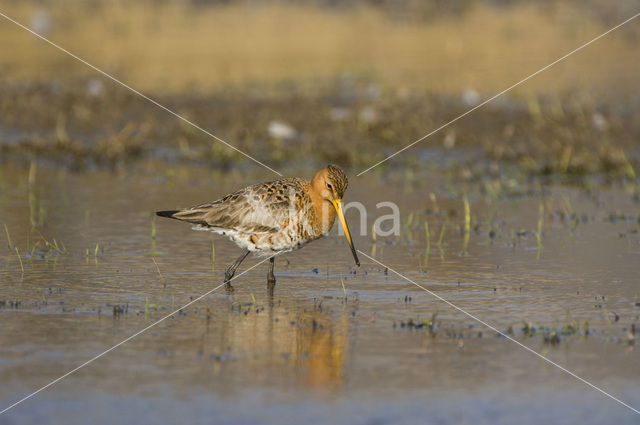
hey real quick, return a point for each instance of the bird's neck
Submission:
(325, 214)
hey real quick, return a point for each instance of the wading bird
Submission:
(274, 217)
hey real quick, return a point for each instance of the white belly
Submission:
(265, 244)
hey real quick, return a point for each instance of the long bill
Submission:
(337, 204)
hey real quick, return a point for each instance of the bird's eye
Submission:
(329, 186)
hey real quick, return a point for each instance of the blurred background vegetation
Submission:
(315, 81)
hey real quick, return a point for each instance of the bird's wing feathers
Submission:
(261, 208)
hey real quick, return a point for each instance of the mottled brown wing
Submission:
(261, 208)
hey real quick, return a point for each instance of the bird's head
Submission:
(331, 184)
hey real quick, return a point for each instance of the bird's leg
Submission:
(231, 270)
(271, 279)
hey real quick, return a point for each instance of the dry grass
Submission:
(570, 134)
(170, 47)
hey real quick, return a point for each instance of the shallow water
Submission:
(308, 354)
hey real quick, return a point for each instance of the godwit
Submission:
(274, 217)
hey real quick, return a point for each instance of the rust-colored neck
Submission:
(325, 212)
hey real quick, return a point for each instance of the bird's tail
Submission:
(193, 216)
(168, 213)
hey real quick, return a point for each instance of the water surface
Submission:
(381, 350)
